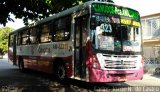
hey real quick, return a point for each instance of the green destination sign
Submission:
(116, 10)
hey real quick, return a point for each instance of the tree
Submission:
(4, 33)
(24, 9)
(34, 9)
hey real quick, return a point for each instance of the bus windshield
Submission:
(114, 34)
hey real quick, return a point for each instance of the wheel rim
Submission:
(61, 72)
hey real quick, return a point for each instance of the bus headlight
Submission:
(95, 63)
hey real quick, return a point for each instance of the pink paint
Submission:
(97, 75)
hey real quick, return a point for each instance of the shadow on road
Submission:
(33, 81)
(12, 80)
(156, 76)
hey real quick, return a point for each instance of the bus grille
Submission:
(123, 63)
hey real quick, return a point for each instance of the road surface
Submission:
(12, 80)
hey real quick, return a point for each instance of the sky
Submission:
(145, 7)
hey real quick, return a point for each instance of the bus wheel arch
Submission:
(59, 69)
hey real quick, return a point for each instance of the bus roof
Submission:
(63, 13)
(60, 14)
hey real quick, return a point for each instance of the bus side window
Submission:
(33, 33)
(45, 34)
(11, 40)
(25, 35)
(19, 40)
(61, 29)
(84, 31)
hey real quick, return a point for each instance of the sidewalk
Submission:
(148, 80)
(150, 76)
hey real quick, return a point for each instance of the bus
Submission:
(93, 42)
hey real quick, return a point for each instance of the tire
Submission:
(157, 71)
(60, 72)
(21, 64)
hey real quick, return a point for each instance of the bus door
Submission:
(80, 35)
(14, 49)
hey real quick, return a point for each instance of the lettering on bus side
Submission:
(62, 46)
(44, 50)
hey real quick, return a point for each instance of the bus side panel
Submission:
(45, 64)
(38, 63)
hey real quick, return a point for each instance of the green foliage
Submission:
(4, 39)
(34, 9)
(24, 9)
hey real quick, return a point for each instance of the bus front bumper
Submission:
(97, 75)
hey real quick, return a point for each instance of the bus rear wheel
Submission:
(21, 64)
(60, 72)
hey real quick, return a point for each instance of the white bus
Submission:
(94, 42)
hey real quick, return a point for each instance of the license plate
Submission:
(122, 79)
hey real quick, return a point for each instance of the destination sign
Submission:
(130, 22)
(135, 23)
(126, 21)
(115, 10)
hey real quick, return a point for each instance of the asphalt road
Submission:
(13, 80)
